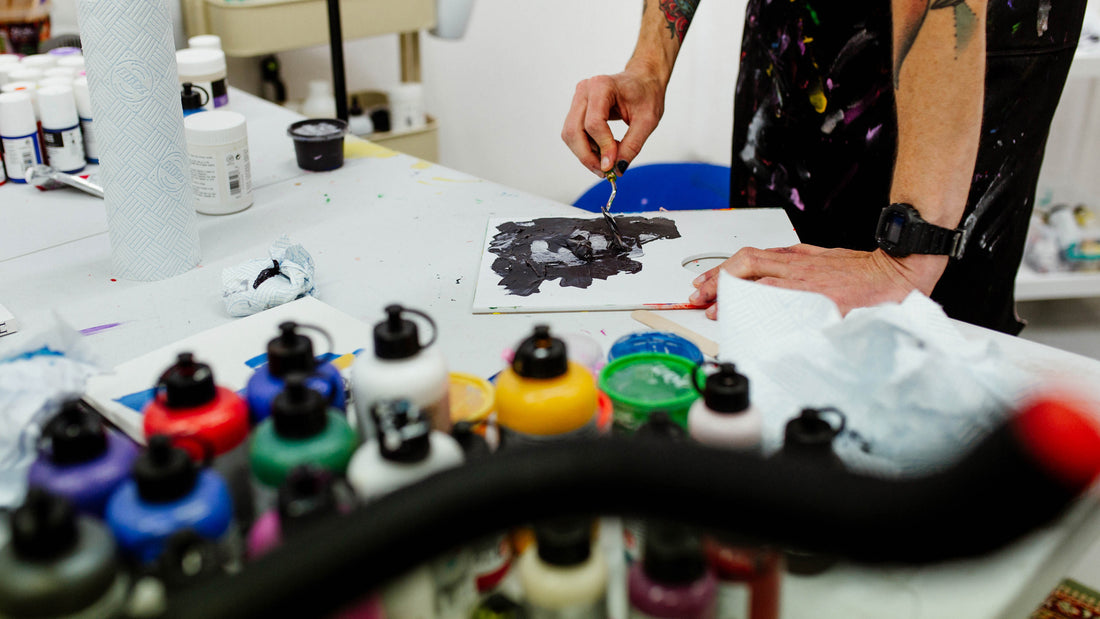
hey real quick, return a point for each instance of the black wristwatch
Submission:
(901, 231)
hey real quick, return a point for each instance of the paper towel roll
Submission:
(130, 62)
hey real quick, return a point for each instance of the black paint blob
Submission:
(572, 250)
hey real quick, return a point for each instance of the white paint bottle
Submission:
(205, 68)
(724, 417)
(61, 133)
(19, 135)
(401, 367)
(562, 576)
(221, 174)
(84, 112)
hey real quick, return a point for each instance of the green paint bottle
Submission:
(302, 429)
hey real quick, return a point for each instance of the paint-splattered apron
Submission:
(815, 132)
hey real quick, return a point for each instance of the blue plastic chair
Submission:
(674, 186)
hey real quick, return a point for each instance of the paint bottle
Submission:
(749, 579)
(84, 111)
(291, 352)
(543, 395)
(191, 99)
(167, 493)
(659, 427)
(19, 135)
(401, 367)
(672, 581)
(492, 556)
(221, 171)
(306, 495)
(302, 429)
(59, 564)
(808, 440)
(562, 576)
(724, 417)
(61, 128)
(209, 422)
(81, 460)
(205, 68)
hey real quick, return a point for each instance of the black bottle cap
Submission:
(44, 526)
(188, 384)
(395, 337)
(307, 494)
(660, 426)
(404, 434)
(673, 554)
(190, 98)
(727, 390)
(188, 558)
(380, 118)
(809, 431)
(541, 355)
(76, 434)
(164, 473)
(474, 446)
(299, 411)
(290, 352)
(564, 541)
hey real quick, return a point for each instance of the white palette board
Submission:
(663, 280)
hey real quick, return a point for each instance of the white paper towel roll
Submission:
(130, 61)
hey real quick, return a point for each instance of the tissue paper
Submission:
(257, 285)
(131, 68)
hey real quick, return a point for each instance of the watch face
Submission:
(895, 222)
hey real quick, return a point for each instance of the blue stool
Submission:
(673, 186)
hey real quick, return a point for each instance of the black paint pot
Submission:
(319, 143)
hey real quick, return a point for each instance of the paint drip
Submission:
(573, 250)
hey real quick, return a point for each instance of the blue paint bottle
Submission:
(81, 460)
(168, 493)
(291, 352)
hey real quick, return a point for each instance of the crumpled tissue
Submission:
(257, 285)
(915, 392)
(36, 376)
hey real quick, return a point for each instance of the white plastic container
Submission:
(221, 173)
(61, 128)
(84, 112)
(59, 71)
(723, 417)
(407, 107)
(39, 61)
(73, 62)
(205, 68)
(205, 41)
(563, 577)
(19, 135)
(55, 80)
(320, 102)
(26, 74)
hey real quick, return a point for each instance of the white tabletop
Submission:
(391, 228)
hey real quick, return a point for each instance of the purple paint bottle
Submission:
(672, 581)
(81, 460)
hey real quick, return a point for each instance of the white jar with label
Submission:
(407, 107)
(61, 133)
(205, 68)
(221, 175)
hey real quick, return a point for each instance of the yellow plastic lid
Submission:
(472, 397)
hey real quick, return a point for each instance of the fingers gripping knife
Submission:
(615, 234)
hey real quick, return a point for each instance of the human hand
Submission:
(634, 96)
(850, 278)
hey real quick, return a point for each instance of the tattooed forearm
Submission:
(678, 14)
(911, 17)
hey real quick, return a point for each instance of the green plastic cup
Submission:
(640, 384)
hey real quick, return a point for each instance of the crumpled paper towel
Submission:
(293, 280)
(36, 376)
(916, 393)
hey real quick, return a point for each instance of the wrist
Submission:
(921, 271)
(650, 67)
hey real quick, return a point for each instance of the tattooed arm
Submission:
(636, 96)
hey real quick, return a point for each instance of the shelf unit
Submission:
(258, 27)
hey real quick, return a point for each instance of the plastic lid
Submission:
(298, 411)
(76, 434)
(727, 390)
(564, 541)
(205, 41)
(74, 61)
(188, 384)
(199, 61)
(317, 129)
(164, 473)
(39, 61)
(57, 107)
(655, 341)
(290, 352)
(307, 494)
(660, 426)
(56, 80)
(471, 397)
(17, 114)
(673, 554)
(404, 434)
(474, 446)
(44, 526)
(68, 72)
(65, 52)
(811, 434)
(190, 98)
(7, 59)
(395, 337)
(541, 355)
(83, 100)
(26, 74)
(215, 128)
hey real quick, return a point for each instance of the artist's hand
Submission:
(635, 96)
(850, 278)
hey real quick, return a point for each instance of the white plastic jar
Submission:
(205, 68)
(221, 174)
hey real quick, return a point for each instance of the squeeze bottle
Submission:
(291, 352)
(401, 367)
(563, 578)
(491, 555)
(59, 564)
(307, 494)
(660, 426)
(723, 417)
(672, 581)
(80, 459)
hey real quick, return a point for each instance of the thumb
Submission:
(636, 135)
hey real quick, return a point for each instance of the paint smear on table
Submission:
(421, 165)
(573, 250)
(356, 148)
(100, 328)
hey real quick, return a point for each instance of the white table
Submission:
(394, 228)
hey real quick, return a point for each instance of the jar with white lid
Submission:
(205, 68)
(61, 133)
(221, 175)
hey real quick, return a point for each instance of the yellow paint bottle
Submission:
(543, 395)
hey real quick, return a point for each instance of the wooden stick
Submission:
(650, 319)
